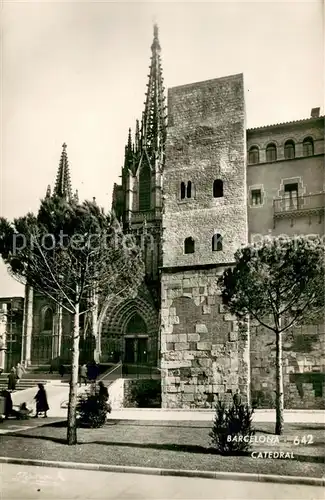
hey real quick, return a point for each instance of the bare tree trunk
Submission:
(94, 328)
(73, 394)
(279, 399)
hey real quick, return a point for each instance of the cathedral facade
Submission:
(192, 192)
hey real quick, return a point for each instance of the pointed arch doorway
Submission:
(136, 344)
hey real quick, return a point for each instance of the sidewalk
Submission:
(45, 483)
(58, 395)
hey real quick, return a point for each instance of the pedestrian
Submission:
(103, 392)
(103, 396)
(91, 371)
(24, 412)
(61, 370)
(41, 401)
(12, 380)
(8, 406)
(20, 370)
(237, 398)
(83, 374)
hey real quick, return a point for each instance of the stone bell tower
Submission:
(203, 355)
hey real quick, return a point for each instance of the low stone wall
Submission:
(149, 399)
(116, 394)
(303, 367)
(128, 400)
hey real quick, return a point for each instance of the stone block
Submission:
(193, 337)
(172, 311)
(164, 313)
(198, 300)
(203, 354)
(179, 337)
(167, 329)
(189, 389)
(229, 317)
(204, 362)
(201, 328)
(204, 346)
(171, 388)
(188, 397)
(196, 292)
(188, 355)
(175, 285)
(233, 336)
(206, 309)
(235, 326)
(173, 356)
(211, 300)
(175, 364)
(222, 308)
(200, 389)
(174, 320)
(181, 346)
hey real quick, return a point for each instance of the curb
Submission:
(230, 476)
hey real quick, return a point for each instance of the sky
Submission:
(76, 72)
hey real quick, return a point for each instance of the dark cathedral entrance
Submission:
(136, 341)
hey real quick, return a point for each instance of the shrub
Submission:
(230, 427)
(92, 410)
(146, 393)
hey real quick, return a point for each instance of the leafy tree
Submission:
(71, 252)
(279, 283)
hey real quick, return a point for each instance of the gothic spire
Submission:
(154, 119)
(129, 153)
(63, 184)
(48, 191)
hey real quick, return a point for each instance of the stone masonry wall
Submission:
(303, 367)
(203, 355)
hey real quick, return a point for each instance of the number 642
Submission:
(303, 440)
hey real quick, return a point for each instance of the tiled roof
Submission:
(285, 123)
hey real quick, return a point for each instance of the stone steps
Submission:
(23, 384)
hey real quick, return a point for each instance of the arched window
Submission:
(183, 190)
(218, 188)
(189, 245)
(145, 188)
(271, 152)
(308, 146)
(217, 242)
(189, 189)
(253, 155)
(289, 150)
(47, 323)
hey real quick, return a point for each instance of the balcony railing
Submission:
(149, 215)
(299, 205)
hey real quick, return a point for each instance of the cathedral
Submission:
(196, 185)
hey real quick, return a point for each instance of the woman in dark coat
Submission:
(103, 392)
(41, 401)
(12, 380)
(8, 403)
